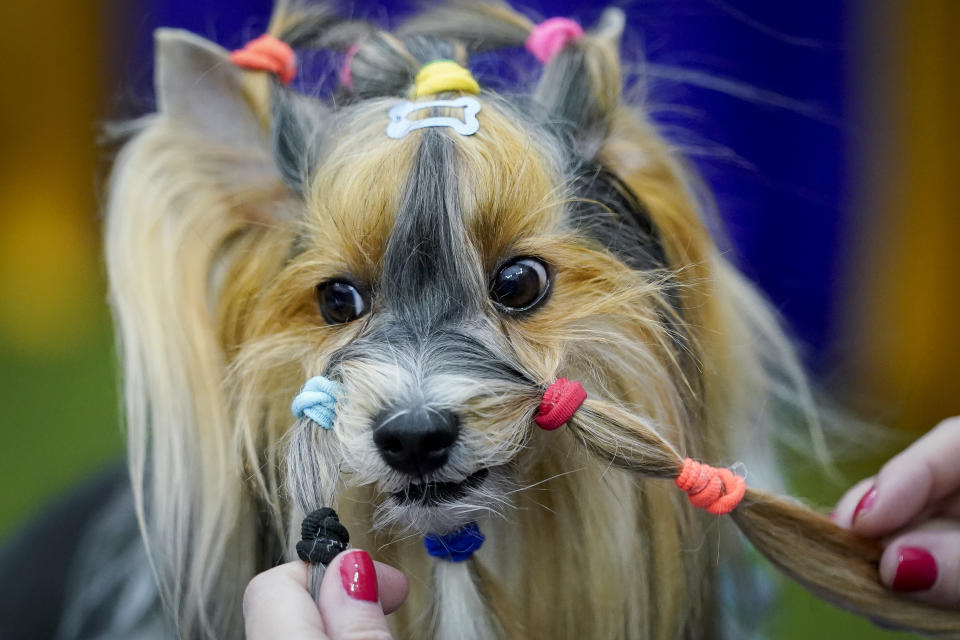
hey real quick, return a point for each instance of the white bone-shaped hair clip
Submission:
(400, 125)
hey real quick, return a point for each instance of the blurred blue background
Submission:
(821, 127)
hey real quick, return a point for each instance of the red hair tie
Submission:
(560, 401)
(718, 491)
(267, 53)
(550, 37)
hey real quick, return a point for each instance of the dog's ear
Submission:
(580, 87)
(199, 88)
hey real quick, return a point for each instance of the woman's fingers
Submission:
(920, 476)
(350, 597)
(949, 507)
(393, 585)
(925, 563)
(843, 512)
(277, 604)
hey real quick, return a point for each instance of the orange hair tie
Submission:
(267, 53)
(718, 491)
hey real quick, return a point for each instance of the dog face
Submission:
(443, 279)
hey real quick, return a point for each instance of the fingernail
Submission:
(358, 576)
(865, 502)
(916, 570)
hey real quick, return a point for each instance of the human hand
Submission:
(913, 504)
(355, 595)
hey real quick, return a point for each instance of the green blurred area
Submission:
(60, 420)
(802, 617)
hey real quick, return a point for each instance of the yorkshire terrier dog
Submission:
(442, 252)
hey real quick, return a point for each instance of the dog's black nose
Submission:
(417, 441)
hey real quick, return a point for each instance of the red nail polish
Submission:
(916, 570)
(358, 576)
(865, 502)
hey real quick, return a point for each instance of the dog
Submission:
(443, 273)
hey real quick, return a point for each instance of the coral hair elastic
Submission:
(717, 490)
(270, 54)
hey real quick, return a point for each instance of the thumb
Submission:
(350, 599)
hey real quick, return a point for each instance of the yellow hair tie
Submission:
(443, 75)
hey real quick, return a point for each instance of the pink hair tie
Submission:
(346, 77)
(550, 36)
(270, 54)
(560, 401)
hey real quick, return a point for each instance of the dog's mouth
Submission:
(437, 493)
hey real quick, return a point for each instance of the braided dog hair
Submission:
(243, 199)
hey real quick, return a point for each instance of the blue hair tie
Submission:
(457, 546)
(317, 401)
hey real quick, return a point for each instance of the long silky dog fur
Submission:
(239, 196)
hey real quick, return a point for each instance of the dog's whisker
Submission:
(545, 480)
(398, 540)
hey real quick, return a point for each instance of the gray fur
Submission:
(318, 26)
(607, 210)
(480, 25)
(381, 67)
(429, 277)
(566, 93)
(111, 593)
(297, 131)
(386, 66)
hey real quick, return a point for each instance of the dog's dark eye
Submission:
(520, 284)
(340, 301)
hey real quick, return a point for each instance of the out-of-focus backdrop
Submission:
(826, 129)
